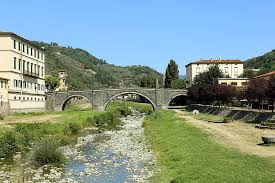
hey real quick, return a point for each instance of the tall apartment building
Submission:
(22, 63)
(231, 68)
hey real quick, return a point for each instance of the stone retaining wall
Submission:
(4, 108)
(247, 116)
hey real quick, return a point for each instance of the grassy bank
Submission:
(186, 154)
(64, 127)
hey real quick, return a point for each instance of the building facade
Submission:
(239, 83)
(231, 68)
(4, 101)
(23, 64)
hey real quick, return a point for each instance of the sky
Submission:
(147, 32)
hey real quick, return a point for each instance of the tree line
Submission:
(206, 90)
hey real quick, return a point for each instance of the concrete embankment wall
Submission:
(247, 116)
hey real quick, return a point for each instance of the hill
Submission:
(265, 62)
(85, 71)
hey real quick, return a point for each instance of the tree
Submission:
(178, 84)
(148, 82)
(224, 93)
(209, 77)
(248, 73)
(51, 82)
(172, 73)
(257, 90)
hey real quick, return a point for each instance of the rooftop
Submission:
(266, 74)
(21, 38)
(216, 61)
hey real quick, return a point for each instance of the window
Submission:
(14, 44)
(14, 83)
(236, 69)
(27, 49)
(35, 68)
(31, 67)
(223, 83)
(14, 62)
(2, 84)
(244, 83)
(38, 54)
(34, 53)
(24, 63)
(23, 48)
(42, 55)
(19, 64)
(28, 66)
(14, 97)
(197, 69)
(42, 71)
(19, 46)
(38, 70)
(234, 83)
(31, 51)
(226, 69)
(20, 83)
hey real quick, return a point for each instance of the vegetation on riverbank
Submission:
(64, 130)
(186, 154)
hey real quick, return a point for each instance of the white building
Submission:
(231, 68)
(23, 65)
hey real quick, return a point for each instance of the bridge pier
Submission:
(99, 108)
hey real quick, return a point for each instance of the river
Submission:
(113, 156)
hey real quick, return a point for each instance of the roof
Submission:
(3, 78)
(217, 61)
(19, 37)
(266, 74)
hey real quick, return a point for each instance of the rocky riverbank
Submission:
(112, 156)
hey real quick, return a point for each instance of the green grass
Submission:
(208, 117)
(186, 154)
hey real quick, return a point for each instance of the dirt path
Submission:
(51, 118)
(242, 136)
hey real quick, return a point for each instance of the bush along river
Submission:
(112, 156)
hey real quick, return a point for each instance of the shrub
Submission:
(46, 151)
(9, 144)
(65, 140)
(74, 128)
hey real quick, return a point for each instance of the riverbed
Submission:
(113, 156)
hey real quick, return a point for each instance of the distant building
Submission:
(62, 81)
(239, 83)
(231, 68)
(266, 76)
(23, 64)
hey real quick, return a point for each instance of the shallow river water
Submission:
(112, 156)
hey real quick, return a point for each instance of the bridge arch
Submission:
(175, 96)
(64, 102)
(129, 92)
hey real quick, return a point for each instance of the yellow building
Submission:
(236, 82)
(4, 102)
(231, 68)
(23, 64)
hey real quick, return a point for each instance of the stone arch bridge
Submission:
(159, 98)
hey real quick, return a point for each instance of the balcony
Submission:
(28, 73)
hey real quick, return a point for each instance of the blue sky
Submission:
(148, 32)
